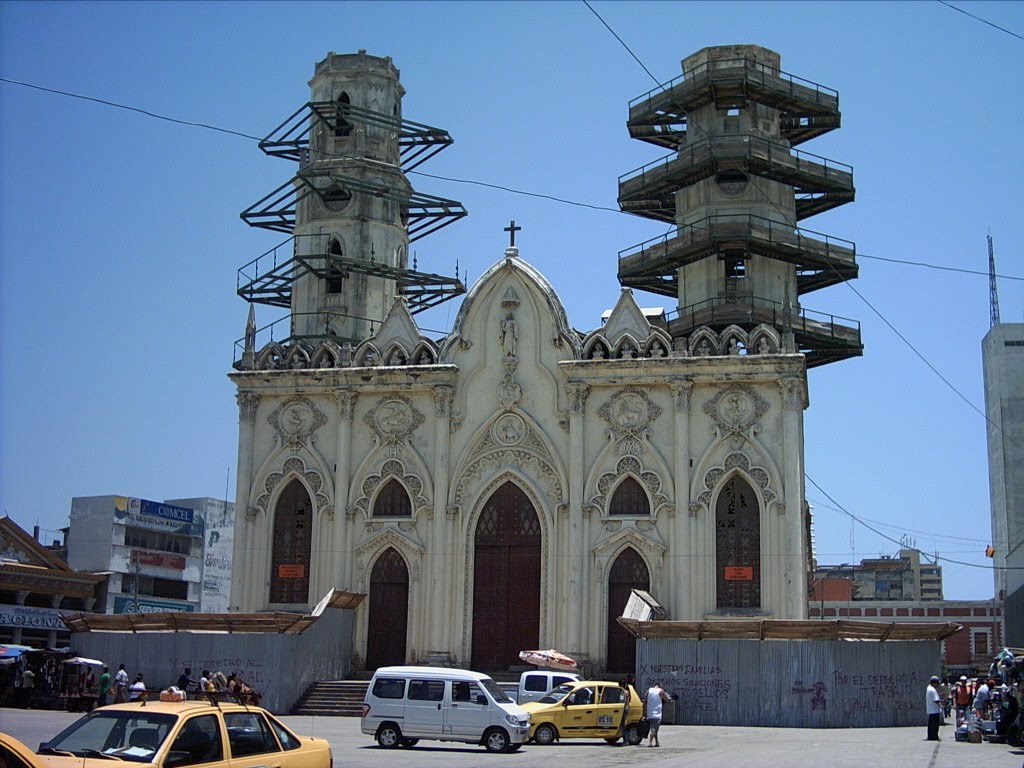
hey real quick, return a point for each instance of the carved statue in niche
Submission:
(509, 335)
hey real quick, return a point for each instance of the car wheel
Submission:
(633, 736)
(389, 736)
(614, 740)
(545, 734)
(496, 740)
(410, 743)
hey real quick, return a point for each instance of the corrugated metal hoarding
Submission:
(791, 683)
(280, 666)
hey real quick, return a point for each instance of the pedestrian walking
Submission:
(121, 685)
(105, 682)
(138, 689)
(653, 701)
(934, 708)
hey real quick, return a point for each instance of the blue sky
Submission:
(120, 236)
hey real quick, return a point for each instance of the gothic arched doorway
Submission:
(506, 580)
(738, 546)
(389, 611)
(628, 572)
(293, 537)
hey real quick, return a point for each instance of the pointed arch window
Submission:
(629, 499)
(392, 501)
(293, 536)
(335, 279)
(342, 127)
(738, 546)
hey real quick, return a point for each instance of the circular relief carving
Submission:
(509, 429)
(630, 411)
(336, 198)
(297, 418)
(394, 417)
(736, 409)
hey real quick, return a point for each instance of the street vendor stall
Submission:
(79, 684)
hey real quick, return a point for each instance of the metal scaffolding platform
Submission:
(807, 108)
(417, 142)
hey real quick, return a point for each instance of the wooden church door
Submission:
(389, 611)
(506, 580)
(628, 572)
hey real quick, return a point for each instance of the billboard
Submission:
(148, 605)
(157, 516)
(30, 617)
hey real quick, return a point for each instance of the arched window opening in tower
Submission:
(342, 127)
(629, 499)
(335, 279)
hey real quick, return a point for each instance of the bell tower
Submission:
(736, 192)
(350, 210)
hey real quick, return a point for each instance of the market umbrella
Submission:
(81, 660)
(14, 651)
(549, 658)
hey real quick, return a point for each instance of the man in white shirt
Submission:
(138, 689)
(652, 711)
(934, 708)
(120, 685)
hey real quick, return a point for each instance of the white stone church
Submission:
(505, 487)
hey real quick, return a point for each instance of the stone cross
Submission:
(512, 229)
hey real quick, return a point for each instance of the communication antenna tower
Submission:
(993, 294)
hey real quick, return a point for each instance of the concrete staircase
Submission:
(333, 698)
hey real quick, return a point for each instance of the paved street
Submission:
(700, 746)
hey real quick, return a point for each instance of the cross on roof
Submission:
(512, 229)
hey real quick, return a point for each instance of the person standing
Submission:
(962, 696)
(983, 698)
(104, 697)
(28, 687)
(138, 689)
(185, 681)
(653, 700)
(121, 685)
(933, 707)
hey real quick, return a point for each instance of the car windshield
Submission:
(555, 695)
(496, 693)
(133, 735)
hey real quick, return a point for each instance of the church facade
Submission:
(506, 486)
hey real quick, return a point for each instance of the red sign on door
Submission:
(286, 571)
(739, 573)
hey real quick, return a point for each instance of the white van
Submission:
(536, 682)
(406, 704)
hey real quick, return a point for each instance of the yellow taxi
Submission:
(14, 754)
(586, 709)
(214, 734)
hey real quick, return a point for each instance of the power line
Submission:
(983, 21)
(901, 544)
(527, 193)
(117, 105)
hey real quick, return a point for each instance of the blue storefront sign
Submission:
(144, 605)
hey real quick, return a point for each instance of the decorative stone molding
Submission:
(314, 482)
(629, 412)
(681, 396)
(509, 392)
(736, 410)
(252, 512)
(629, 466)
(247, 405)
(373, 547)
(296, 420)
(578, 394)
(694, 508)
(346, 402)
(444, 396)
(529, 463)
(794, 394)
(392, 468)
(735, 460)
(393, 419)
(649, 548)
